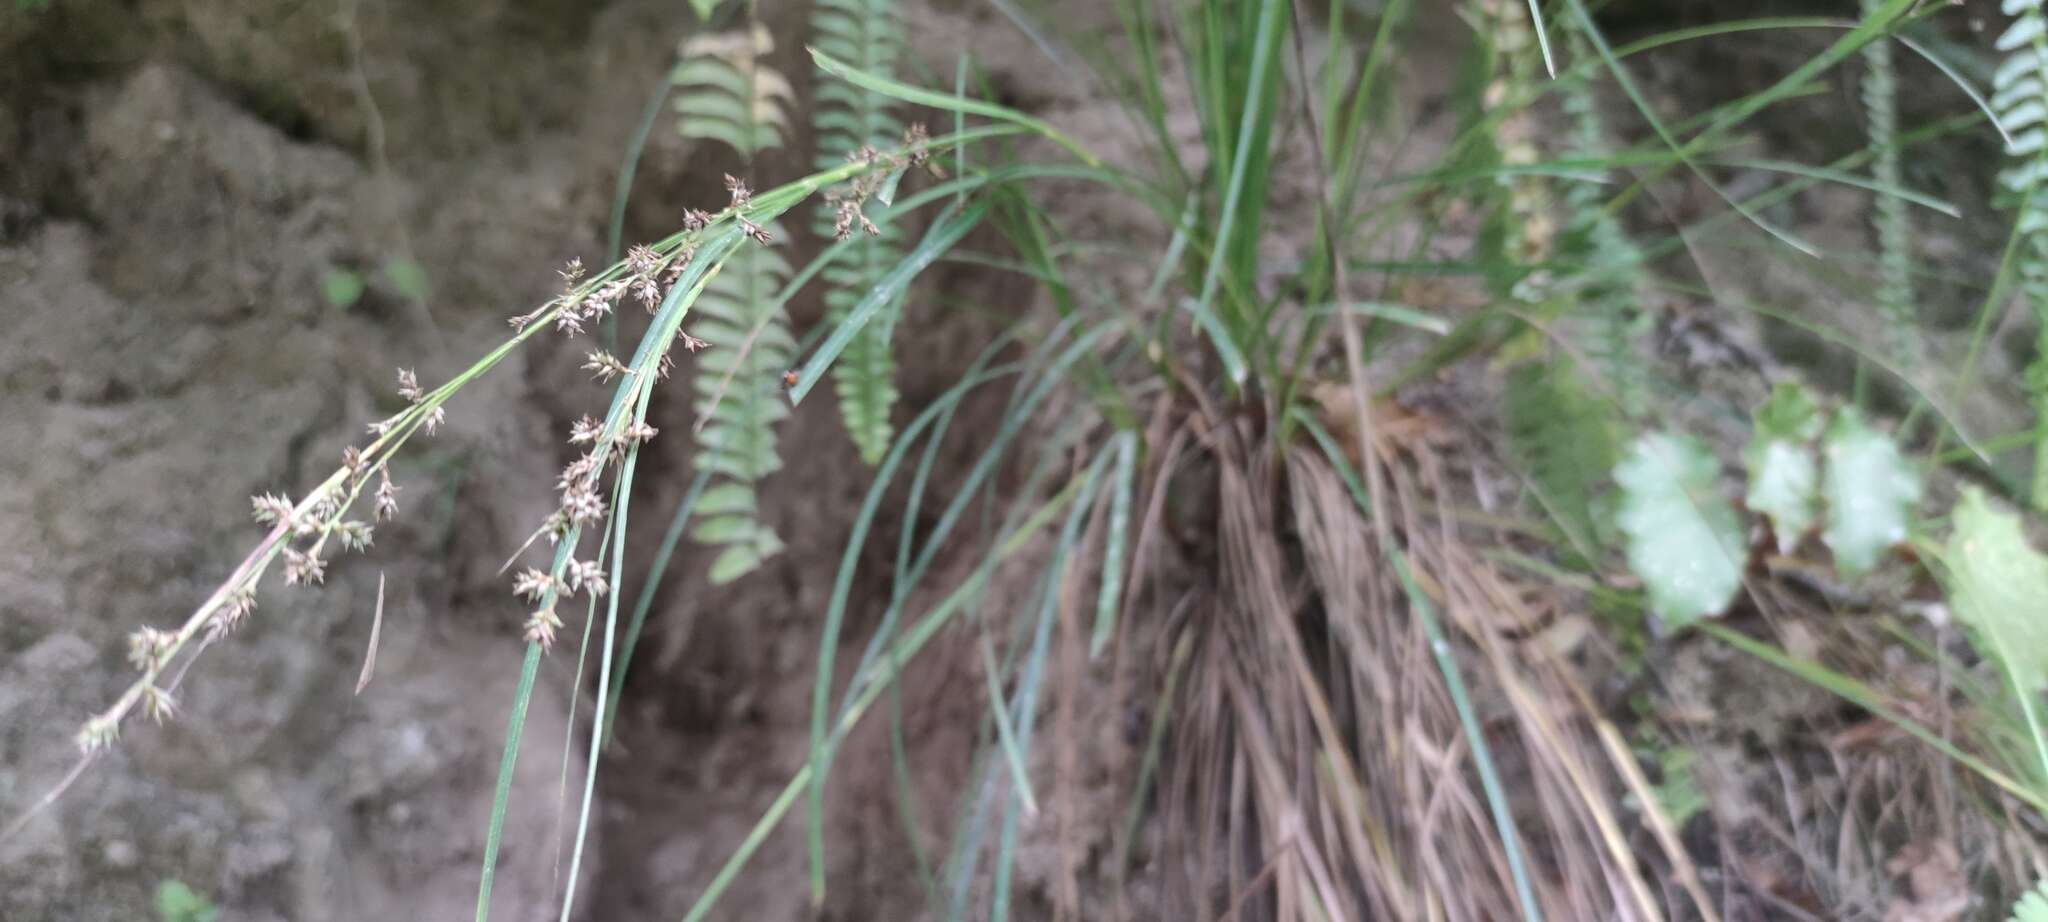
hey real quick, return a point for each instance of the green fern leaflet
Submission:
(2020, 97)
(740, 402)
(725, 93)
(849, 120)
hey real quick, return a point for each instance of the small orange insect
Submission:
(789, 379)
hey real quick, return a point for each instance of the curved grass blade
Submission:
(1254, 137)
(836, 609)
(1774, 23)
(1842, 177)
(1440, 648)
(1542, 37)
(1050, 456)
(1855, 692)
(1684, 152)
(666, 551)
(1034, 677)
(1475, 736)
(906, 797)
(821, 748)
(621, 505)
(615, 229)
(668, 318)
(1126, 446)
(946, 232)
(1227, 350)
(1013, 751)
(951, 103)
(892, 666)
(575, 699)
(1393, 313)
(514, 728)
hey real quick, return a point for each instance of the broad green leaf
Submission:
(727, 499)
(1998, 584)
(408, 276)
(176, 901)
(2032, 906)
(728, 529)
(341, 287)
(1871, 490)
(738, 560)
(1684, 539)
(1784, 478)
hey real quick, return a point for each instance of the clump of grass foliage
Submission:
(1316, 687)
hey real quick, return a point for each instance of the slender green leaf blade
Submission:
(501, 798)
(945, 101)
(1013, 753)
(939, 239)
(1113, 553)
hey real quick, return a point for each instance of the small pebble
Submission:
(120, 853)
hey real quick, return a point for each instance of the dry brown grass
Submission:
(1318, 765)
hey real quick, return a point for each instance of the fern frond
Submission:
(1609, 303)
(1565, 441)
(739, 401)
(865, 375)
(1894, 240)
(2020, 97)
(726, 93)
(849, 120)
(2032, 906)
(1525, 227)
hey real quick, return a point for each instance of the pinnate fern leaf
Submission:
(2020, 98)
(1890, 220)
(865, 375)
(1607, 312)
(739, 403)
(725, 91)
(1564, 441)
(850, 120)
